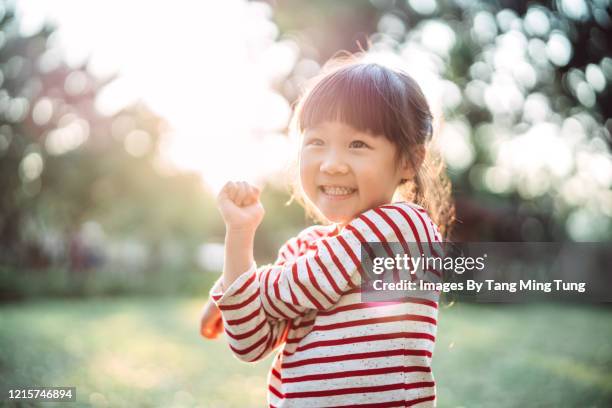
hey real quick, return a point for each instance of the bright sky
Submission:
(205, 66)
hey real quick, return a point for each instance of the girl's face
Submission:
(345, 172)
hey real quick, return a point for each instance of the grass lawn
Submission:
(144, 352)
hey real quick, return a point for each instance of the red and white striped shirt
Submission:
(336, 351)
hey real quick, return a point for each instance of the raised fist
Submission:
(239, 205)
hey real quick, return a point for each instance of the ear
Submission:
(411, 164)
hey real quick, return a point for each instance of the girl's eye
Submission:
(315, 142)
(358, 144)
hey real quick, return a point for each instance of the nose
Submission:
(334, 164)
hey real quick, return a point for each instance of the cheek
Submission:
(376, 177)
(307, 172)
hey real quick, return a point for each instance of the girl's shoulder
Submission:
(404, 217)
(406, 208)
(406, 204)
(412, 208)
(417, 218)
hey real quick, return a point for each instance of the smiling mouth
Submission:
(337, 190)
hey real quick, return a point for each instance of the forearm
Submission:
(238, 254)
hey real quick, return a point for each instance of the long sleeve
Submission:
(251, 336)
(317, 279)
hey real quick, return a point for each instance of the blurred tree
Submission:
(63, 164)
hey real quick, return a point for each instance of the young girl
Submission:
(363, 129)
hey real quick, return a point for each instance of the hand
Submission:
(240, 207)
(211, 323)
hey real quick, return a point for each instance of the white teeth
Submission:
(336, 190)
